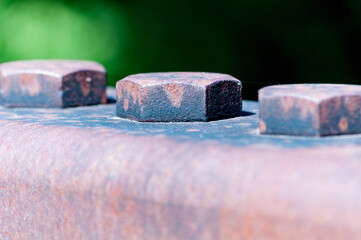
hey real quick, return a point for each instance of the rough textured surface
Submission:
(82, 173)
(178, 96)
(310, 109)
(52, 83)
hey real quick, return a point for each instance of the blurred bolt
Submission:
(179, 96)
(310, 109)
(52, 83)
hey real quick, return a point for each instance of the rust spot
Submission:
(132, 90)
(174, 93)
(262, 126)
(309, 109)
(29, 84)
(119, 93)
(287, 103)
(136, 94)
(85, 88)
(343, 124)
(104, 98)
(126, 104)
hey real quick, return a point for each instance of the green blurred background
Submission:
(260, 42)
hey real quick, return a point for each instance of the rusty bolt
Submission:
(52, 83)
(179, 96)
(310, 109)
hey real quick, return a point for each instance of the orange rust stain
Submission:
(136, 97)
(29, 84)
(174, 93)
(126, 104)
(343, 124)
(132, 90)
(307, 109)
(104, 98)
(262, 126)
(287, 103)
(85, 88)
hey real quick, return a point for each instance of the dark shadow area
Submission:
(111, 100)
(245, 114)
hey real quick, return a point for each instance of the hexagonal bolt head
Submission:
(310, 109)
(178, 96)
(52, 83)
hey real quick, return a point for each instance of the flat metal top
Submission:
(316, 92)
(49, 67)
(239, 131)
(202, 78)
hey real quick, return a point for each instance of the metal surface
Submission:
(82, 173)
(178, 97)
(310, 109)
(52, 83)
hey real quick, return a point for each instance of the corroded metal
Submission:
(179, 96)
(81, 173)
(310, 109)
(52, 83)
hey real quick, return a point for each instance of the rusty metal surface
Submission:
(52, 83)
(179, 97)
(82, 173)
(310, 109)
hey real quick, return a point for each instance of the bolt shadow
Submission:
(245, 114)
(111, 100)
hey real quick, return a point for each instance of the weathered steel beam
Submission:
(82, 173)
